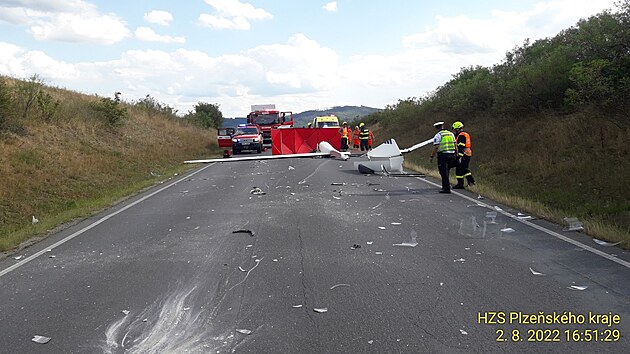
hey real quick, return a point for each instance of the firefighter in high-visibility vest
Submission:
(444, 147)
(364, 136)
(464, 152)
(345, 132)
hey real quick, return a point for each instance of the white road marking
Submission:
(540, 228)
(68, 238)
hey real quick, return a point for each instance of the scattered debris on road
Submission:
(321, 310)
(578, 287)
(355, 246)
(535, 272)
(574, 224)
(338, 285)
(604, 243)
(40, 339)
(244, 331)
(245, 231)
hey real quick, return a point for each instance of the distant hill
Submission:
(345, 113)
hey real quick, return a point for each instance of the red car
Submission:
(247, 137)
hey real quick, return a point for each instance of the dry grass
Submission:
(592, 226)
(76, 164)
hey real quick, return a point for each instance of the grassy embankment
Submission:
(73, 163)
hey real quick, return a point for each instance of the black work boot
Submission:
(460, 184)
(471, 180)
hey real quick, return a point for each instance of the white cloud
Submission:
(301, 73)
(159, 17)
(232, 14)
(330, 7)
(17, 62)
(66, 21)
(147, 34)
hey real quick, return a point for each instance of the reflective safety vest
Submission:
(364, 135)
(463, 144)
(345, 132)
(447, 144)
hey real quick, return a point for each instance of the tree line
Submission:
(584, 68)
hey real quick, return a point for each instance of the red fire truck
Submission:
(270, 118)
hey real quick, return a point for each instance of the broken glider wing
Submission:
(417, 146)
(387, 157)
(325, 149)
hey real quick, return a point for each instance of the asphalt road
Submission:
(163, 272)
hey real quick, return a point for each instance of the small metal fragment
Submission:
(250, 232)
(40, 339)
(338, 285)
(578, 287)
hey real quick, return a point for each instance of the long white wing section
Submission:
(255, 158)
(324, 147)
(417, 146)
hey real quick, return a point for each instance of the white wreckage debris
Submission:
(411, 243)
(40, 339)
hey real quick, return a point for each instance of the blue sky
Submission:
(299, 55)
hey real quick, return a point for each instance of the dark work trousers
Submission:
(344, 143)
(364, 144)
(445, 163)
(462, 171)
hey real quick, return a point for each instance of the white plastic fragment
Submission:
(507, 229)
(297, 306)
(578, 287)
(291, 168)
(338, 285)
(370, 341)
(241, 269)
(369, 242)
(382, 227)
(257, 191)
(321, 310)
(574, 224)
(40, 339)
(480, 197)
(461, 260)
(535, 272)
(463, 332)
(604, 243)
(396, 223)
(275, 260)
(379, 253)
(18, 258)
(34, 220)
(126, 312)
(334, 196)
(411, 243)
(244, 331)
